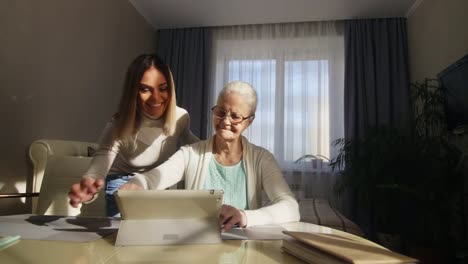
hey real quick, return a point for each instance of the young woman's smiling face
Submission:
(154, 93)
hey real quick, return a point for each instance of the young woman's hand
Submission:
(230, 216)
(85, 190)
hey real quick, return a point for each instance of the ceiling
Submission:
(163, 14)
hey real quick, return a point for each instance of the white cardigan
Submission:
(190, 163)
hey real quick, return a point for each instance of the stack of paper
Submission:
(335, 249)
(57, 228)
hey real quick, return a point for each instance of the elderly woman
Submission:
(229, 162)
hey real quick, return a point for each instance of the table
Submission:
(104, 251)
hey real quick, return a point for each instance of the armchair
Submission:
(57, 164)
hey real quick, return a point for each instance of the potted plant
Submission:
(410, 185)
(435, 203)
(372, 170)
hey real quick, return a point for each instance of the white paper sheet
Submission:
(61, 228)
(265, 232)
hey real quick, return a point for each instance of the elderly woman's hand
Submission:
(130, 186)
(231, 216)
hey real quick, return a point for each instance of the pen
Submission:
(8, 241)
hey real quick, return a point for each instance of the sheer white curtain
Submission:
(297, 70)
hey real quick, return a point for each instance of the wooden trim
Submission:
(18, 195)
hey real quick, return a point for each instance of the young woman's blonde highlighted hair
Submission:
(128, 116)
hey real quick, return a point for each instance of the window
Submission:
(306, 108)
(298, 73)
(292, 117)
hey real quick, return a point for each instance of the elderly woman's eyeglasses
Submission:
(234, 117)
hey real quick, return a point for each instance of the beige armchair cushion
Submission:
(319, 211)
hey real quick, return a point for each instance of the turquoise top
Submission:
(230, 179)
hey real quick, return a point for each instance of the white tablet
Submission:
(155, 217)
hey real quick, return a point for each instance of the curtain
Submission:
(376, 85)
(186, 51)
(376, 76)
(297, 70)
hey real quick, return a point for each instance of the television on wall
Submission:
(454, 81)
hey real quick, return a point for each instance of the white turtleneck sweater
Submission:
(153, 147)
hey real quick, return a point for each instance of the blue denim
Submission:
(113, 183)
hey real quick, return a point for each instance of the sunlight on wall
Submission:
(38, 176)
(21, 187)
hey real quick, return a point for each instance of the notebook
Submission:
(336, 249)
(169, 217)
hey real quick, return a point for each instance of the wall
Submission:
(62, 65)
(437, 36)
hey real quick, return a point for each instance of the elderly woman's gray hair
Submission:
(245, 90)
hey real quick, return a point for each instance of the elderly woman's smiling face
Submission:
(231, 104)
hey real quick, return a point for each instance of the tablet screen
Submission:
(169, 204)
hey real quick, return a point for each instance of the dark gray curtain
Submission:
(376, 86)
(376, 76)
(187, 53)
